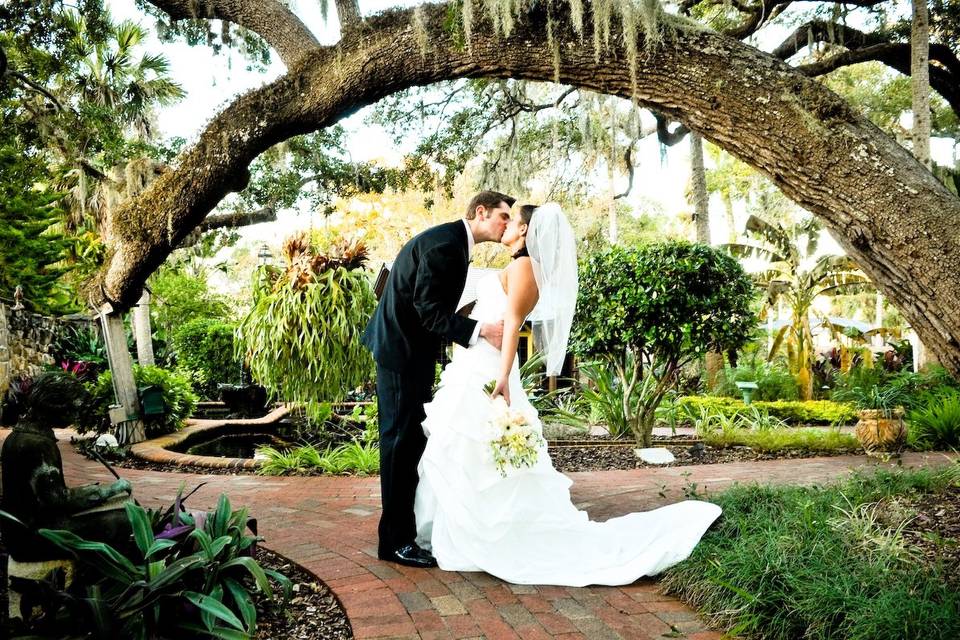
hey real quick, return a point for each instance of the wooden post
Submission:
(125, 415)
(141, 330)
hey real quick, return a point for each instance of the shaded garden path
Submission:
(328, 525)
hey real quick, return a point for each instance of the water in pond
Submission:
(241, 445)
(234, 441)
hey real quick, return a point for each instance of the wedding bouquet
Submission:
(514, 442)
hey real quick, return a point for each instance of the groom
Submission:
(417, 311)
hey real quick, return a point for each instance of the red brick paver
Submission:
(328, 525)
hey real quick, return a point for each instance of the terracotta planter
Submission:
(878, 433)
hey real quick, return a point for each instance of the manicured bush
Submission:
(649, 311)
(811, 562)
(790, 411)
(205, 346)
(178, 398)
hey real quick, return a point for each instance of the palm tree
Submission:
(792, 274)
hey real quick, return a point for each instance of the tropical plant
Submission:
(361, 457)
(205, 346)
(181, 295)
(774, 382)
(78, 348)
(604, 395)
(648, 312)
(936, 423)
(187, 575)
(786, 252)
(885, 399)
(301, 338)
(176, 390)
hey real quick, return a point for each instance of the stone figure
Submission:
(34, 490)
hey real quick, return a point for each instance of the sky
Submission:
(212, 81)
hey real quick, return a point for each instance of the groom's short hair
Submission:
(488, 199)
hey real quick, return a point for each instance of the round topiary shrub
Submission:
(648, 311)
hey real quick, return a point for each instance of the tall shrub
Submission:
(205, 346)
(301, 338)
(651, 310)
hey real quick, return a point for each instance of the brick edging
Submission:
(159, 449)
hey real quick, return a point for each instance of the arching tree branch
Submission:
(891, 215)
(271, 20)
(897, 56)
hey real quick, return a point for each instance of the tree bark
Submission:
(920, 81)
(701, 218)
(270, 19)
(889, 213)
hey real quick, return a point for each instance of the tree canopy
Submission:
(887, 210)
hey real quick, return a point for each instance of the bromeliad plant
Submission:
(301, 339)
(188, 574)
(649, 311)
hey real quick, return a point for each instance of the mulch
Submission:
(313, 612)
(597, 453)
(935, 530)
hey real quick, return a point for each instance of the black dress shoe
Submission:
(410, 555)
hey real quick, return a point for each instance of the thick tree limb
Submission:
(238, 219)
(890, 214)
(269, 19)
(229, 221)
(825, 31)
(897, 55)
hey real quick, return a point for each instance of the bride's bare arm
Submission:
(522, 296)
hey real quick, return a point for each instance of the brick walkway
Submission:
(328, 525)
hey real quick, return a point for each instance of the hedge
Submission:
(790, 411)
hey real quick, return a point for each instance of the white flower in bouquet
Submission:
(514, 441)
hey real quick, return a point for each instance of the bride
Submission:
(523, 527)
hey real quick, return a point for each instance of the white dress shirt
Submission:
(470, 243)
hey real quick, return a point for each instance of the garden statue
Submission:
(34, 490)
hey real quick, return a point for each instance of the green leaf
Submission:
(254, 569)
(214, 607)
(248, 611)
(159, 545)
(140, 522)
(107, 559)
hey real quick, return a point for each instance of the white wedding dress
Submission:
(523, 528)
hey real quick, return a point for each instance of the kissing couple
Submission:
(444, 500)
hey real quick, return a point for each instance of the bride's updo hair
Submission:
(526, 212)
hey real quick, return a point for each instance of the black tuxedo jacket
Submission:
(418, 307)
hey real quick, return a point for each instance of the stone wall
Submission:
(25, 340)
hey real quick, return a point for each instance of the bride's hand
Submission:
(502, 389)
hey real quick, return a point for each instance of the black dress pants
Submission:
(400, 399)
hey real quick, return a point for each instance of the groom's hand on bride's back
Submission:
(492, 332)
